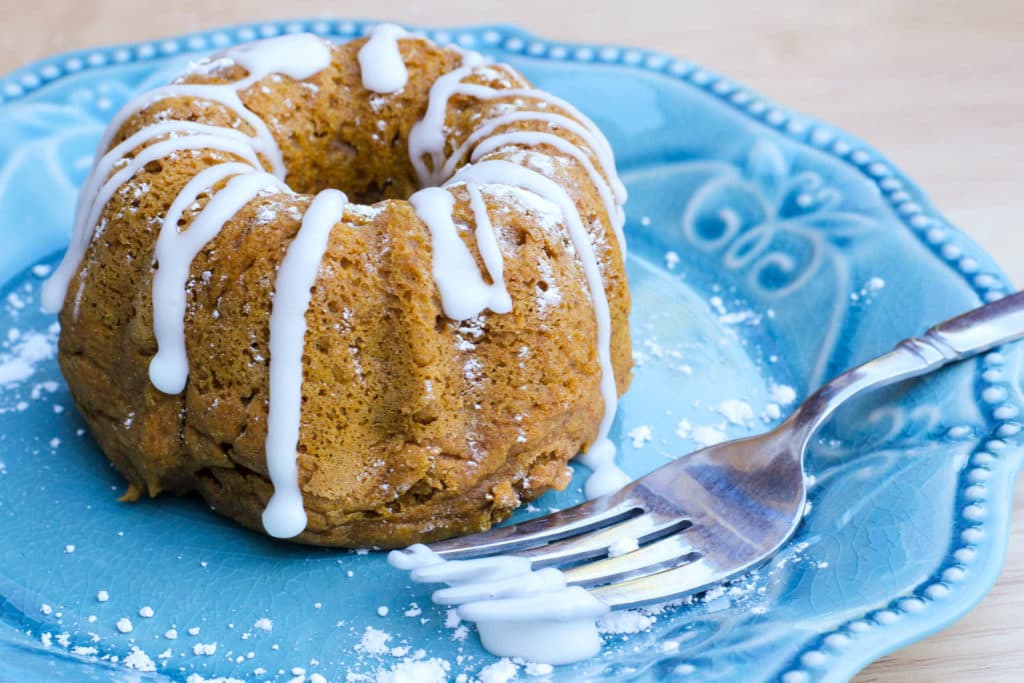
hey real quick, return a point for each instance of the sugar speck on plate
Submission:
(382, 611)
(624, 621)
(69, 548)
(171, 634)
(124, 625)
(434, 670)
(736, 411)
(103, 596)
(671, 260)
(46, 609)
(502, 671)
(706, 435)
(640, 435)
(374, 641)
(782, 394)
(264, 624)
(146, 612)
(539, 669)
(205, 649)
(193, 631)
(139, 660)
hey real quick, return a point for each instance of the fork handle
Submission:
(959, 338)
(978, 330)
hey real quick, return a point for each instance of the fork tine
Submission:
(678, 582)
(644, 528)
(594, 514)
(655, 557)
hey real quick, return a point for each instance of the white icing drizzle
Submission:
(605, 477)
(285, 515)
(508, 173)
(464, 294)
(596, 144)
(174, 253)
(55, 288)
(298, 56)
(380, 60)
(518, 612)
(490, 251)
(535, 139)
(427, 136)
(226, 95)
(105, 165)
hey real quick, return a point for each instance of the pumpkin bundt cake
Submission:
(405, 358)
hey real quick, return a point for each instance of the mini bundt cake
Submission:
(405, 361)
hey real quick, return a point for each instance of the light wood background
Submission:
(938, 86)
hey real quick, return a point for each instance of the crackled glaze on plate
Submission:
(767, 250)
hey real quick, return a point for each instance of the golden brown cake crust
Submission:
(414, 427)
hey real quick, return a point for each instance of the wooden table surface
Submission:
(936, 85)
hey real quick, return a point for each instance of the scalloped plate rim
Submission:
(964, 596)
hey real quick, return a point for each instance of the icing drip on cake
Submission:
(464, 294)
(55, 288)
(285, 515)
(518, 612)
(597, 144)
(507, 173)
(490, 251)
(380, 60)
(427, 142)
(427, 136)
(175, 251)
(426, 139)
(536, 139)
(298, 56)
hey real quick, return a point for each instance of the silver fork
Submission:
(720, 511)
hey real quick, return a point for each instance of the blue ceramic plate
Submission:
(768, 251)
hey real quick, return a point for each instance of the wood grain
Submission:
(936, 85)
